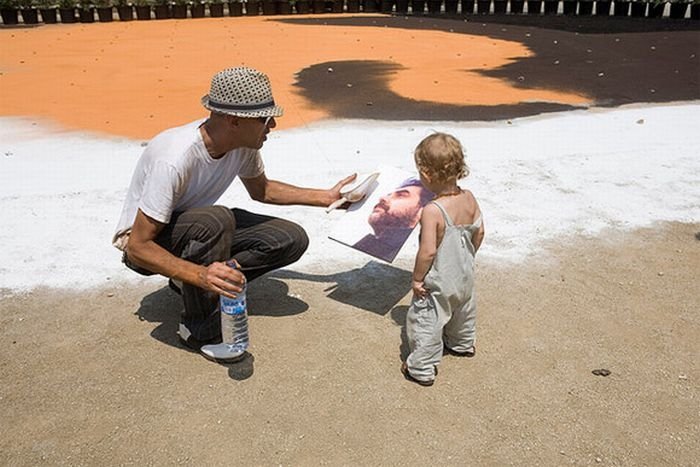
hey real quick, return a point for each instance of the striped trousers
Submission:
(216, 233)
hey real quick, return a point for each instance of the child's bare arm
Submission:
(429, 222)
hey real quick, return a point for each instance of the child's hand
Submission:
(419, 289)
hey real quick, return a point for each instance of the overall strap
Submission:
(446, 216)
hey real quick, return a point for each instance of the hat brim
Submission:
(271, 111)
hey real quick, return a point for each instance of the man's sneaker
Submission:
(211, 349)
(191, 342)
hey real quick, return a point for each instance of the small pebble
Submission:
(661, 273)
(598, 460)
(601, 74)
(349, 85)
(330, 70)
(601, 372)
(640, 121)
(683, 377)
(110, 295)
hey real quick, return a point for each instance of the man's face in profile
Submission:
(398, 209)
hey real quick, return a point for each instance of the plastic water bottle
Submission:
(234, 319)
(234, 328)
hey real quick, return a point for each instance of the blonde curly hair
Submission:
(440, 156)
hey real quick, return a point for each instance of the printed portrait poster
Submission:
(381, 223)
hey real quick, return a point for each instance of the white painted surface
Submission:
(537, 179)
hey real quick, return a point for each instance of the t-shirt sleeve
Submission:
(252, 165)
(162, 189)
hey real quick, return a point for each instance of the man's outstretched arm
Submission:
(268, 191)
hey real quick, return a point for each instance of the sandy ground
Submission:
(98, 379)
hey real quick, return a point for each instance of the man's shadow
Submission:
(267, 296)
(375, 287)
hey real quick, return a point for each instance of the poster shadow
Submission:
(375, 287)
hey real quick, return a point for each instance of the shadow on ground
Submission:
(375, 287)
(613, 61)
(164, 306)
(398, 314)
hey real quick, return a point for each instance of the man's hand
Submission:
(335, 191)
(222, 279)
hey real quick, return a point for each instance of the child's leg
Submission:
(424, 339)
(460, 330)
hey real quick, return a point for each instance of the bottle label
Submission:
(233, 307)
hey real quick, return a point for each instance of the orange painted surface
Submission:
(137, 78)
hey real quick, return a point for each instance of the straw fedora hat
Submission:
(243, 92)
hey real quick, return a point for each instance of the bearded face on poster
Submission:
(393, 218)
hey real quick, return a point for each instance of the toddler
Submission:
(443, 309)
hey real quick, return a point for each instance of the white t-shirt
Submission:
(176, 173)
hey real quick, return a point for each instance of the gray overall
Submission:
(450, 308)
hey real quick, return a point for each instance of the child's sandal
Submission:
(407, 375)
(468, 354)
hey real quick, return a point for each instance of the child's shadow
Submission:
(374, 287)
(398, 314)
(266, 297)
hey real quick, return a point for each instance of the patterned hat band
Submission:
(242, 107)
(243, 92)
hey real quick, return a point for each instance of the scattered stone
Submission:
(601, 74)
(598, 460)
(330, 70)
(110, 295)
(683, 377)
(555, 42)
(556, 62)
(370, 104)
(601, 372)
(661, 273)
(349, 85)
(640, 121)
(652, 47)
(521, 78)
